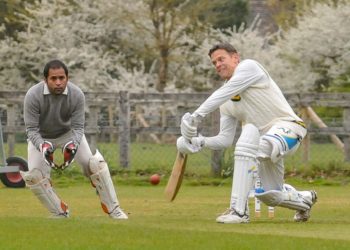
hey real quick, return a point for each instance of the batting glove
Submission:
(188, 127)
(185, 147)
(69, 150)
(198, 141)
(47, 150)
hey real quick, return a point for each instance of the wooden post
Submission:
(164, 136)
(124, 129)
(346, 125)
(305, 144)
(111, 122)
(138, 124)
(11, 123)
(216, 155)
(317, 120)
(92, 126)
(143, 122)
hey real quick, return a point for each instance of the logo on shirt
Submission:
(236, 98)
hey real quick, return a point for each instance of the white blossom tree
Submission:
(154, 45)
(158, 32)
(74, 33)
(318, 48)
(314, 55)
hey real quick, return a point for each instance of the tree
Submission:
(317, 49)
(143, 45)
(221, 14)
(74, 33)
(285, 13)
(9, 18)
(154, 29)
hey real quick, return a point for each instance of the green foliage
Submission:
(285, 13)
(223, 14)
(9, 16)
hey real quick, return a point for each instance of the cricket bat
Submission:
(175, 179)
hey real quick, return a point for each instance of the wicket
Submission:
(257, 203)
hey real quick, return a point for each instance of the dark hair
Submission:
(225, 46)
(54, 64)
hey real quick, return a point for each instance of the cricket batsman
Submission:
(270, 132)
(54, 116)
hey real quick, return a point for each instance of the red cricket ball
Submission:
(154, 179)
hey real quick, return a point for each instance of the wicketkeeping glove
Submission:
(47, 149)
(69, 150)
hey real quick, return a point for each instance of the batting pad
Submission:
(244, 168)
(291, 200)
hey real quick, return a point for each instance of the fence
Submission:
(128, 119)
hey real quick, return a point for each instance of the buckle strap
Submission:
(301, 123)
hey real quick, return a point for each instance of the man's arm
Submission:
(223, 139)
(226, 134)
(31, 119)
(246, 74)
(78, 118)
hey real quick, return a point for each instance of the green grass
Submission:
(187, 223)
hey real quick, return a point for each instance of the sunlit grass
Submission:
(187, 223)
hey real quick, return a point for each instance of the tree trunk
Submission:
(163, 70)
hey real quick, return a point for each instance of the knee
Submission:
(97, 163)
(248, 142)
(33, 176)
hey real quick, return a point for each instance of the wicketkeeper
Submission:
(54, 116)
(270, 131)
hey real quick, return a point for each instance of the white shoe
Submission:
(232, 217)
(118, 214)
(310, 199)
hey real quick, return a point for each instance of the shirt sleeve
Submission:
(78, 118)
(246, 74)
(31, 119)
(226, 134)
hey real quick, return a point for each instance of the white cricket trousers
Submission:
(36, 159)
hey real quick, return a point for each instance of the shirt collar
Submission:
(47, 91)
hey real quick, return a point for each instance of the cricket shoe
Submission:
(118, 214)
(310, 198)
(60, 216)
(230, 216)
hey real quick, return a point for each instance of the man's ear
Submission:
(237, 57)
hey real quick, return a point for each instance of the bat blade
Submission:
(175, 179)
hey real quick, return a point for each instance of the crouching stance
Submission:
(270, 131)
(38, 180)
(54, 116)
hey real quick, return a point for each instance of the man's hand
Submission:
(185, 147)
(188, 126)
(47, 150)
(198, 141)
(69, 150)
